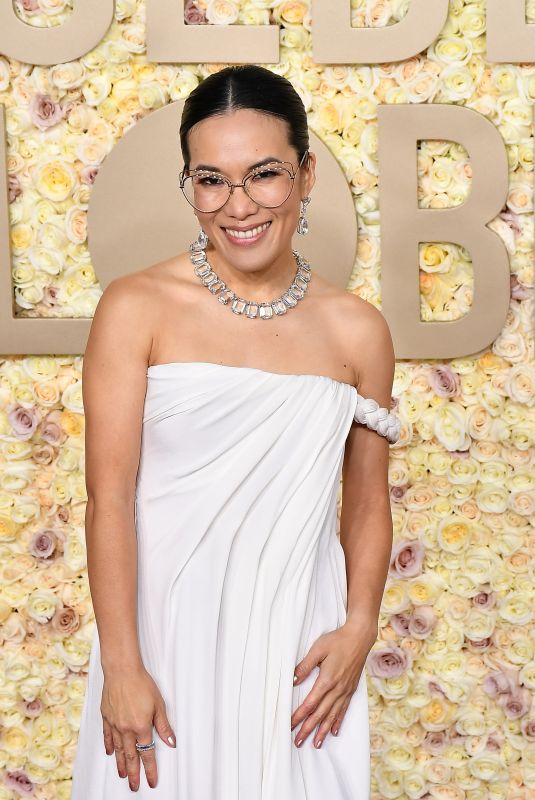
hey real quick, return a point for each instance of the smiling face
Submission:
(232, 143)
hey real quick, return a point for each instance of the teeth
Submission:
(247, 234)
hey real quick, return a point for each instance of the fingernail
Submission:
(295, 678)
(336, 731)
(299, 742)
(317, 744)
(171, 740)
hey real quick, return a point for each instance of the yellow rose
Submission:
(55, 694)
(67, 76)
(22, 237)
(452, 50)
(437, 714)
(291, 12)
(152, 95)
(493, 499)
(516, 608)
(54, 179)
(520, 651)
(253, 16)
(414, 784)
(392, 688)
(399, 756)
(41, 605)
(454, 535)
(424, 590)
(389, 782)
(411, 407)
(397, 472)
(394, 598)
(15, 741)
(418, 496)
(74, 651)
(75, 556)
(442, 506)
(485, 451)
(487, 766)
(133, 36)
(479, 625)
(293, 38)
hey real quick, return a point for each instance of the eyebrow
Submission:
(268, 160)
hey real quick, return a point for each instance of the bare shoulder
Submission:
(362, 331)
(141, 292)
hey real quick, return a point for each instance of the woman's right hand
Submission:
(131, 705)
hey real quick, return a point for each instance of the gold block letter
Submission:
(404, 225)
(335, 41)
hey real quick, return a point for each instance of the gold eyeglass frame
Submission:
(231, 186)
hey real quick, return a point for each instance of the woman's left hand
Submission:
(341, 654)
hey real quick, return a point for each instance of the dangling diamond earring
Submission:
(302, 226)
(202, 239)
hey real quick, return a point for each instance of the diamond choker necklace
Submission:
(239, 305)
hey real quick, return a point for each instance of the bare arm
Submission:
(366, 521)
(114, 385)
(365, 535)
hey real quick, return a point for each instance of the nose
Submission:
(239, 203)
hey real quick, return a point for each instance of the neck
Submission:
(260, 285)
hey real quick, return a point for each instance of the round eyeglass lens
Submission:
(268, 187)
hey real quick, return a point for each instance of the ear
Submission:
(308, 174)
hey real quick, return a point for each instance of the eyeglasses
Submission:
(268, 186)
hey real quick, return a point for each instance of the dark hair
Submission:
(246, 86)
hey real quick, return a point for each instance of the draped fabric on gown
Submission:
(240, 570)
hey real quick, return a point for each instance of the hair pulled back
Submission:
(246, 86)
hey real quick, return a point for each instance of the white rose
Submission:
(222, 12)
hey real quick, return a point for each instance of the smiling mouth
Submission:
(248, 234)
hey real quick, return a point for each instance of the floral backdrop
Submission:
(452, 674)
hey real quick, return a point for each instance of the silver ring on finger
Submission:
(142, 747)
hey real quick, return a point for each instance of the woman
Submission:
(228, 612)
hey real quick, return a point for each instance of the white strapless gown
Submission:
(240, 571)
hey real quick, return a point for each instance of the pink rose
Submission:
(407, 559)
(63, 513)
(528, 728)
(484, 600)
(88, 174)
(50, 294)
(193, 15)
(43, 544)
(51, 430)
(33, 708)
(512, 219)
(44, 112)
(495, 742)
(480, 645)
(31, 7)
(498, 683)
(390, 662)
(66, 621)
(422, 622)
(444, 381)
(400, 623)
(397, 493)
(518, 290)
(14, 188)
(19, 782)
(436, 690)
(435, 742)
(43, 454)
(24, 421)
(515, 704)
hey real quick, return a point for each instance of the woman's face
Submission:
(233, 143)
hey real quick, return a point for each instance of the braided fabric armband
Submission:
(370, 413)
